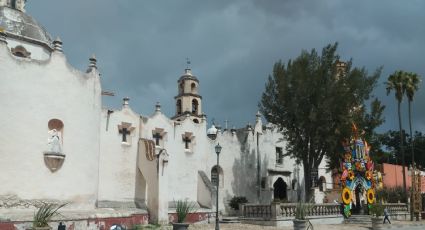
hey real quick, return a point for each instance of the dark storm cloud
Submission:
(141, 46)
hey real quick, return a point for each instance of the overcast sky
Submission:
(142, 46)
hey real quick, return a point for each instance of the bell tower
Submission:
(14, 4)
(188, 100)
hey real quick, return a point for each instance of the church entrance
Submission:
(358, 203)
(279, 188)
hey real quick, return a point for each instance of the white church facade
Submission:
(57, 143)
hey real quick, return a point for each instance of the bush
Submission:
(377, 209)
(236, 200)
(391, 195)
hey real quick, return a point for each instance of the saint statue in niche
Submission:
(53, 142)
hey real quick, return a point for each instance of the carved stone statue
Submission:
(53, 142)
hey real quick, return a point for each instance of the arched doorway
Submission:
(279, 189)
(358, 203)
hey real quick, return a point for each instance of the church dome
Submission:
(22, 26)
(188, 75)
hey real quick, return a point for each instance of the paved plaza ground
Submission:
(400, 225)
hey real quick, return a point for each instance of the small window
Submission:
(279, 155)
(179, 106)
(196, 121)
(217, 174)
(263, 182)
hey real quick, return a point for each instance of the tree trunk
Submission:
(307, 180)
(413, 162)
(411, 135)
(402, 150)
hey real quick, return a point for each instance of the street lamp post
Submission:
(212, 134)
(217, 151)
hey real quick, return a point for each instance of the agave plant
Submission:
(302, 210)
(184, 207)
(45, 213)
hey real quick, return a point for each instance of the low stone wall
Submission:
(100, 220)
(282, 214)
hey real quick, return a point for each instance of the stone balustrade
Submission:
(396, 208)
(257, 211)
(287, 210)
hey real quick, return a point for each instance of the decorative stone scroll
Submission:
(13, 201)
(149, 149)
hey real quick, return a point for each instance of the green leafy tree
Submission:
(314, 99)
(391, 142)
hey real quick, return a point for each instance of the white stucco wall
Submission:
(118, 160)
(33, 92)
(183, 164)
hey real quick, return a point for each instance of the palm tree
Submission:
(397, 82)
(412, 85)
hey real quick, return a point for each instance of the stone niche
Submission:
(54, 156)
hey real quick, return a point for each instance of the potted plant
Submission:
(45, 214)
(301, 212)
(183, 208)
(377, 211)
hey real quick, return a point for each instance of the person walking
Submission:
(386, 215)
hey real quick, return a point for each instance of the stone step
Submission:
(358, 219)
(230, 220)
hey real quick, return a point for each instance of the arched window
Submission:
(193, 88)
(195, 106)
(181, 87)
(20, 51)
(322, 184)
(13, 4)
(179, 106)
(217, 172)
